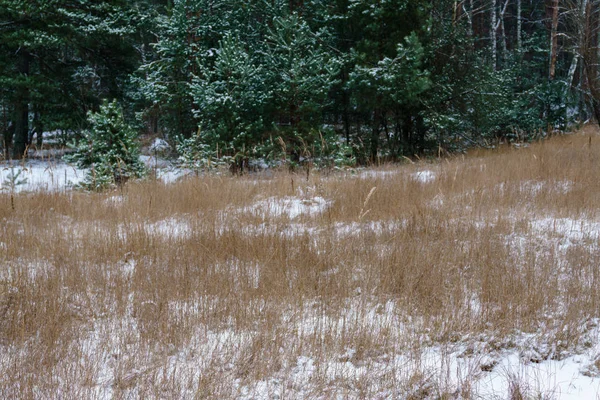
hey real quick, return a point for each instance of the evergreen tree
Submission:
(109, 149)
(394, 77)
(301, 72)
(231, 93)
(59, 60)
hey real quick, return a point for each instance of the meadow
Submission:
(473, 276)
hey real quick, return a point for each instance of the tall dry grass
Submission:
(200, 289)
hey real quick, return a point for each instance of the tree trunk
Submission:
(590, 54)
(346, 107)
(469, 13)
(22, 111)
(493, 35)
(375, 135)
(519, 27)
(553, 40)
(409, 145)
(9, 133)
(38, 129)
(504, 46)
(594, 77)
(572, 69)
(596, 109)
(499, 23)
(5, 130)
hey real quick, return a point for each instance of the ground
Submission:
(475, 276)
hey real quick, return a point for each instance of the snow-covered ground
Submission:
(469, 365)
(56, 175)
(35, 175)
(425, 176)
(289, 206)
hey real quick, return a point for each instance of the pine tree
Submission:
(231, 92)
(58, 61)
(109, 149)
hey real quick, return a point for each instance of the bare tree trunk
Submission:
(22, 111)
(578, 11)
(594, 12)
(553, 40)
(572, 69)
(497, 22)
(469, 13)
(519, 27)
(493, 35)
(7, 131)
(375, 135)
(504, 46)
(455, 12)
(590, 54)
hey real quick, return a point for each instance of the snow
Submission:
(159, 145)
(376, 227)
(55, 175)
(259, 164)
(537, 187)
(450, 368)
(529, 364)
(377, 174)
(55, 137)
(171, 175)
(567, 228)
(39, 175)
(44, 171)
(560, 379)
(171, 228)
(291, 207)
(425, 176)
(114, 200)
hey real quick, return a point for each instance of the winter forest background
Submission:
(336, 82)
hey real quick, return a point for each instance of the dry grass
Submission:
(206, 289)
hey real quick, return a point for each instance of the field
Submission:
(470, 277)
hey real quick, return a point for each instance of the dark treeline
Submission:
(359, 80)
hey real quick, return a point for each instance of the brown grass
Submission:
(198, 290)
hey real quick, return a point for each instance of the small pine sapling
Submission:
(109, 149)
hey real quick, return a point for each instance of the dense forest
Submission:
(344, 82)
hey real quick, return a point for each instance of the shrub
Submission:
(109, 149)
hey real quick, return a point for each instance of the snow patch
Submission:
(39, 175)
(571, 229)
(560, 379)
(375, 174)
(292, 207)
(425, 176)
(171, 228)
(114, 200)
(159, 145)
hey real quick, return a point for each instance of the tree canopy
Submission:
(379, 79)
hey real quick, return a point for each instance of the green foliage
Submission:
(231, 94)
(300, 71)
(272, 151)
(163, 81)
(14, 179)
(331, 151)
(197, 156)
(394, 78)
(59, 59)
(398, 82)
(109, 149)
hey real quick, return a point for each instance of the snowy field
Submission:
(474, 279)
(39, 175)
